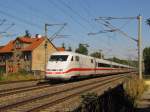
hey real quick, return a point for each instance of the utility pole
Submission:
(46, 30)
(46, 25)
(140, 46)
(52, 37)
(100, 51)
(107, 24)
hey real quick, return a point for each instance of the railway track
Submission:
(20, 81)
(18, 85)
(61, 93)
(22, 89)
(69, 96)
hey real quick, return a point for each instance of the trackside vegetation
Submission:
(120, 99)
(146, 57)
(134, 88)
(20, 75)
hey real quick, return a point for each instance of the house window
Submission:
(18, 45)
(27, 56)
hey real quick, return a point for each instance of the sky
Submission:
(16, 16)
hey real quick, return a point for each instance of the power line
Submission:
(110, 18)
(106, 31)
(63, 11)
(86, 8)
(35, 10)
(10, 26)
(2, 21)
(109, 25)
(20, 19)
(125, 24)
(75, 12)
(57, 32)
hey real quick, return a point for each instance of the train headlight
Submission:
(54, 69)
(60, 69)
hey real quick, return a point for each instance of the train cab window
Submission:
(58, 58)
(72, 58)
(77, 58)
(99, 65)
(91, 60)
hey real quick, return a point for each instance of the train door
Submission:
(95, 65)
(78, 64)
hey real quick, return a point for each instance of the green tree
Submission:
(146, 57)
(82, 49)
(97, 55)
(126, 62)
(148, 21)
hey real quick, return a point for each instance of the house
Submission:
(28, 53)
(60, 49)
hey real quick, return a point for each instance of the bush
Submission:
(1, 78)
(89, 102)
(23, 72)
(134, 88)
(20, 75)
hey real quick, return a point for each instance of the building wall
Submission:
(15, 66)
(38, 55)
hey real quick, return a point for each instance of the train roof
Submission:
(101, 60)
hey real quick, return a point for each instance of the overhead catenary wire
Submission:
(106, 24)
(110, 18)
(70, 16)
(39, 13)
(110, 26)
(10, 26)
(2, 21)
(56, 33)
(20, 19)
(76, 13)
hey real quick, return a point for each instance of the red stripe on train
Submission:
(79, 69)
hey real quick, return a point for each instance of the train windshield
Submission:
(58, 58)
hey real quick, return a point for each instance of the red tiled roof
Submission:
(27, 39)
(7, 48)
(1, 47)
(60, 49)
(34, 42)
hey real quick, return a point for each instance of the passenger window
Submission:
(77, 58)
(99, 65)
(72, 58)
(91, 60)
(103, 65)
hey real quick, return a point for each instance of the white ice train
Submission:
(66, 65)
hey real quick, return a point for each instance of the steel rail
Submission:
(20, 81)
(10, 106)
(22, 89)
(36, 109)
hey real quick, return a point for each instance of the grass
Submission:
(21, 75)
(134, 88)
